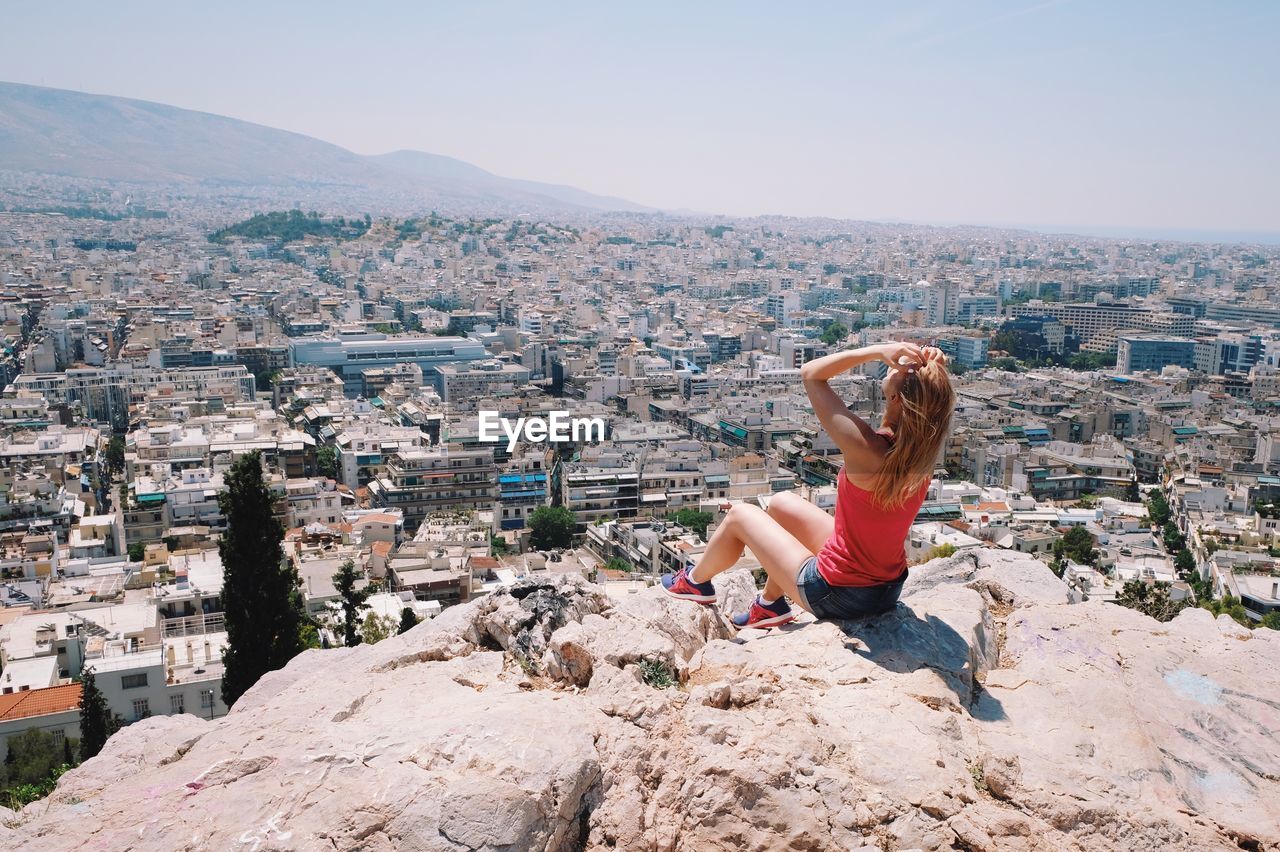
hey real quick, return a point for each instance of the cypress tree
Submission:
(96, 720)
(264, 616)
(352, 599)
(408, 620)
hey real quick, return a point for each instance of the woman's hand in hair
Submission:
(933, 353)
(900, 354)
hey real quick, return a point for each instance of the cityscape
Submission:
(373, 466)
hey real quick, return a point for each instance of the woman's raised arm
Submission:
(861, 446)
(830, 366)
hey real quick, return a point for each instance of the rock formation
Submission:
(985, 713)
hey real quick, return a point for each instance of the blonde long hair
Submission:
(926, 401)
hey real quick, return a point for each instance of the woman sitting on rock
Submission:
(853, 564)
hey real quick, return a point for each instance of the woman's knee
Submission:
(783, 504)
(743, 513)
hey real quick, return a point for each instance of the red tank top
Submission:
(868, 545)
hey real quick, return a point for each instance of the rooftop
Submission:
(39, 702)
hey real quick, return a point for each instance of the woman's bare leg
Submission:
(780, 553)
(810, 525)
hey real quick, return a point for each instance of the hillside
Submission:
(60, 132)
(289, 225)
(465, 178)
(986, 713)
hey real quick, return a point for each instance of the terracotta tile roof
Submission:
(995, 506)
(38, 702)
(376, 518)
(382, 548)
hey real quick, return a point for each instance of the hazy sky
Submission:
(1059, 113)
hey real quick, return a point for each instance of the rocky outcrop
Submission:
(985, 713)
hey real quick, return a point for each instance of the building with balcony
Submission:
(460, 383)
(105, 393)
(605, 490)
(522, 487)
(420, 481)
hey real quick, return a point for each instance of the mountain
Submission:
(55, 131)
(987, 712)
(464, 177)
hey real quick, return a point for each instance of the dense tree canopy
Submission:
(408, 620)
(693, 519)
(551, 527)
(97, 722)
(834, 333)
(1077, 545)
(289, 225)
(327, 462)
(264, 616)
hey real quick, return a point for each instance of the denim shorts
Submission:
(827, 601)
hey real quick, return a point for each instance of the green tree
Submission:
(1152, 599)
(551, 526)
(327, 462)
(376, 627)
(1228, 605)
(1132, 493)
(263, 604)
(97, 722)
(1077, 545)
(1272, 619)
(32, 757)
(693, 519)
(137, 550)
(614, 563)
(1158, 508)
(1184, 562)
(1091, 361)
(115, 455)
(408, 620)
(941, 551)
(498, 545)
(834, 333)
(1173, 539)
(344, 580)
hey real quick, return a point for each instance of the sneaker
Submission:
(678, 585)
(763, 615)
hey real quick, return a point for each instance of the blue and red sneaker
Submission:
(764, 615)
(678, 585)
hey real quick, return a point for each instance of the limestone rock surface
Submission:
(986, 712)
